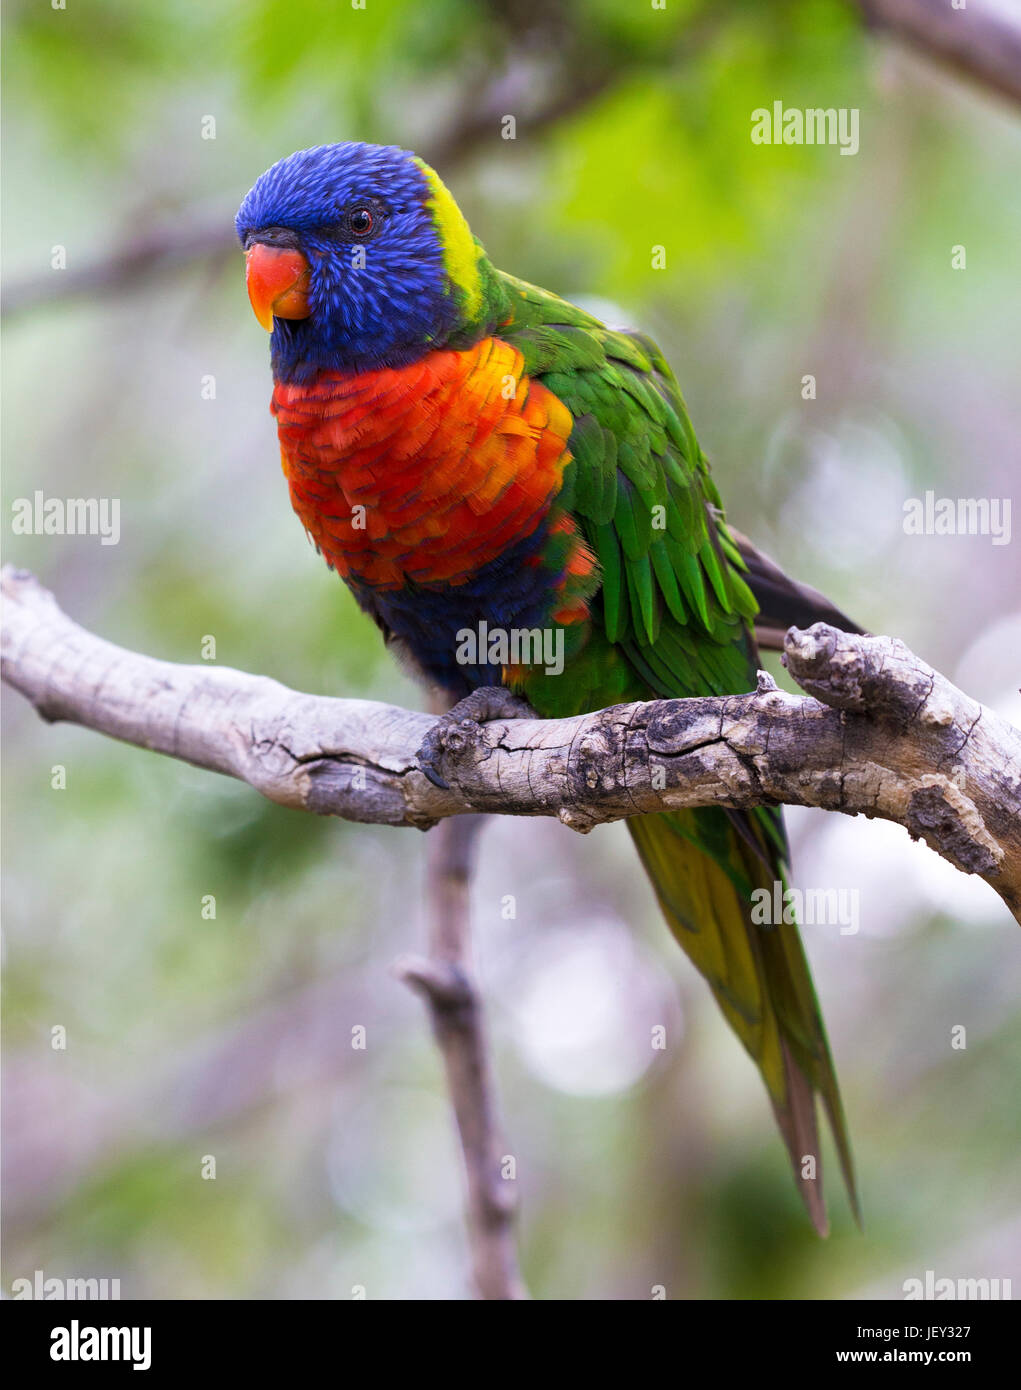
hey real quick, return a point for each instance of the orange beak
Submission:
(277, 281)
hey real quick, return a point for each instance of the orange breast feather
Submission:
(424, 472)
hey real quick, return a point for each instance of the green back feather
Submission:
(672, 619)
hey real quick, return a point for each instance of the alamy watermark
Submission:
(815, 125)
(39, 515)
(84, 1343)
(45, 1286)
(958, 516)
(943, 1288)
(516, 646)
(807, 907)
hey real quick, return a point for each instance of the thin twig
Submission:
(446, 981)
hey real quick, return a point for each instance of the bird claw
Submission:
(454, 730)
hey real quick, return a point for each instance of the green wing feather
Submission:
(673, 619)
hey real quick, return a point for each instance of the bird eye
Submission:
(358, 221)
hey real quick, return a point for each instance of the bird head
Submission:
(358, 257)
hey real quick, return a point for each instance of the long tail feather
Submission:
(704, 869)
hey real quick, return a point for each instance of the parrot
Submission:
(464, 448)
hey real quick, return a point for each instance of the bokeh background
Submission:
(189, 1037)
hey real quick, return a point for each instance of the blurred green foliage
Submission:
(231, 1036)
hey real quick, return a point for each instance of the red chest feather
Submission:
(425, 472)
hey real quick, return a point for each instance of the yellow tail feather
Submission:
(703, 867)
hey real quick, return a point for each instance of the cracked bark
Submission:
(877, 732)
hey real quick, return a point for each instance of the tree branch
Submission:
(153, 251)
(878, 733)
(981, 41)
(195, 235)
(544, 95)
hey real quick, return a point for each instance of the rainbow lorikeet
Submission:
(464, 448)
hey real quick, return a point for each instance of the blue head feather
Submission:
(382, 302)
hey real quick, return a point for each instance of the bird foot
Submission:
(453, 730)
